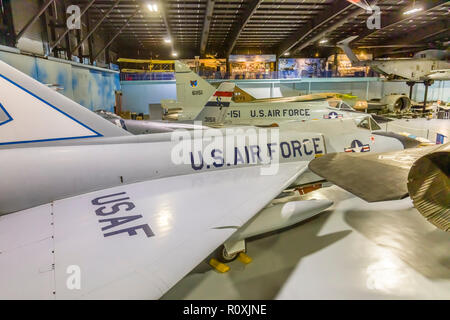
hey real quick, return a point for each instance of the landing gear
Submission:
(223, 256)
(230, 250)
(226, 257)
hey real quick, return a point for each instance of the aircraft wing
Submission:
(133, 241)
(370, 176)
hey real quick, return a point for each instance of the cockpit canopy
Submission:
(368, 123)
(339, 105)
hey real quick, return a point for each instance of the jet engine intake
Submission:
(429, 187)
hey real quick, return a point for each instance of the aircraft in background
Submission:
(425, 65)
(193, 92)
(213, 114)
(80, 193)
(217, 109)
(214, 107)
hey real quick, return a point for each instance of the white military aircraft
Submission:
(213, 113)
(193, 92)
(200, 101)
(425, 65)
(80, 198)
(219, 111)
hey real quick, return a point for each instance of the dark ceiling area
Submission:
(288, 28)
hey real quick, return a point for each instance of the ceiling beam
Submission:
(164, 9)
(419, 35)
(321, 35)
(388, 21)
(67, 30)
(337, 8)
(240, 25)
(117, 34)
(423, 32)
(206, 26)
(33, 19)
(91, 32)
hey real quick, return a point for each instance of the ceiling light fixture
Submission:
(167, 40)
(174, 54)
(323, 41)
(153, 7)
(413, 10)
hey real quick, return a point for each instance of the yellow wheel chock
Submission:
(245, 259)
(219, 266)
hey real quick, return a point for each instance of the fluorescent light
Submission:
(323, 41)
(167, 40)
(287, 53)
(153, 7)
(413, 10)
(174, 54)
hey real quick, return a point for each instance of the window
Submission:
(374, 125)
(345, 106)
(364, 124)
(368, 123)
(333, 103)
(339, 104)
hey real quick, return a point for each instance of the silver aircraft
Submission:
(214, 107)
(212, 114)
(88, 210)
(425, 65)
(193, 92)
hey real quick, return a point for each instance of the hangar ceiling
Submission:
(285, 27)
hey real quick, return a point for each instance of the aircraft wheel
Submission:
(223, 255)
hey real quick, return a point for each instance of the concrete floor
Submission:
(355, 250)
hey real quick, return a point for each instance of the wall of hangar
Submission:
(89, 86)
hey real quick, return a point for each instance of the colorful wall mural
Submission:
(90, 87)
(298, 68)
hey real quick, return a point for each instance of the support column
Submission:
(410, 85)
(425, 97)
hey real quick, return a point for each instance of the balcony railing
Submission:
(290, 74)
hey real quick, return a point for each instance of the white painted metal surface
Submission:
(389, 252)
(280, 216)
(30, 112)
(354, 250)
(189, 217)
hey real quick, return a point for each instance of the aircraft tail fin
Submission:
(344, 45)
(242, 96)
(192, 90)
(32, 114)
(216, 107)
